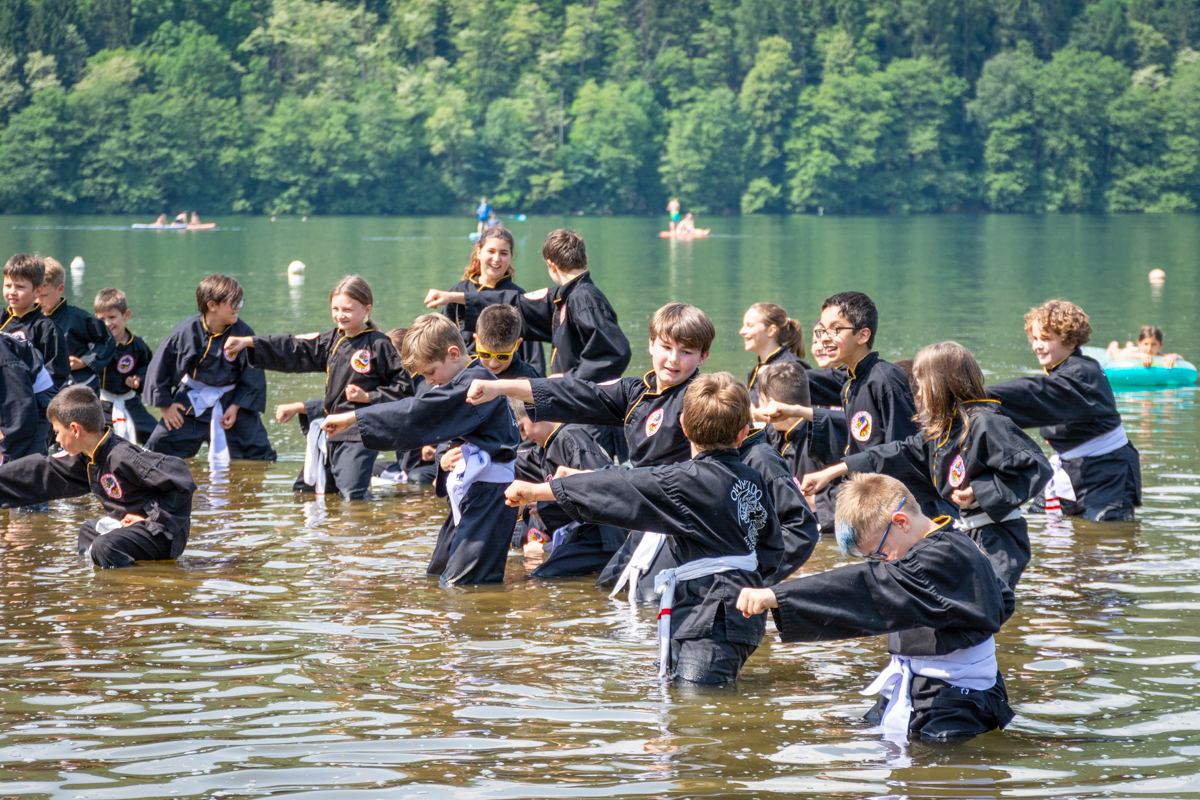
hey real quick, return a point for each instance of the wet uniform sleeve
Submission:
(828, 436)
(287, 353)
(906, 460)
(634, 499)
(798, 531)
(1045, 400)
(101, 345)
(580, 401)
(161, 379)
(18, 408)
(897, 409)
(1012, 470)
(171, 481)
(53, 346)
(605, 352)
(36, 478)
(537, 315)
(250, 388)
(395, 383)
(440, 415)
(142, 357)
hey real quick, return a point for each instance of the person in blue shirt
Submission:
(482, 213)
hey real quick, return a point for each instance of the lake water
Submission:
(297, 649)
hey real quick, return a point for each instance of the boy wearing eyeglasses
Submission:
(204, 394)
(929, 588)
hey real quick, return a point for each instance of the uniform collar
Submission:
(59, 306)
(565, 289)
(128, 341)
(209, 331)
(1075, 352)
(654, 390)
(553, 435)
(102, 447)
(37, 309)
(479, 287)
(941, 524)
(865, 363)
(717, 455)
(368, 329)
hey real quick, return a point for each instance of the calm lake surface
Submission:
(297, 649)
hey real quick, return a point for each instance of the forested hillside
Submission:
(601, 106)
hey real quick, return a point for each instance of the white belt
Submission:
(639, 564)
(316, 455)
(476, 466)
(1059, 486)
(980, 518)
(42, 381)
(973, 668)
(561, 534)
(203, 398)
(122, 425)
(664, 585)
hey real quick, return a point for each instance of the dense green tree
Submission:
(613, 150)
(767, 102)
(702, 164)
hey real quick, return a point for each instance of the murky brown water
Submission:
(298, 650)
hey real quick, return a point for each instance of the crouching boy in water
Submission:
(147, 496)
(713, 509)
(929, 588)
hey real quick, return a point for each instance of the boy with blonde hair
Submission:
(122, 380)
(90, 346)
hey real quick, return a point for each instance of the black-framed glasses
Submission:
(877, 553)
(829, 333)
(503, 358)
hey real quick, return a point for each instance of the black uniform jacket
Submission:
(20, 365)
(941, 596)
(87, 339)
(797, 525)
(37, 329)
(650, 417)
(1072, 403)
(780, 355)
(195, 351)
(1003, 465)
(825, 386)
(368, 360)
(124, 477)
(442, 414)
(568, 446)
(131, 357)
(877, 407)
(530, 351)
(576, 319)
(710, 506)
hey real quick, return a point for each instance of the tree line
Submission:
(599, 106)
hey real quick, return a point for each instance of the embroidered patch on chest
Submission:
(562, 314)
(110, 485)
(958, 471)
(230, 357)
(360, 362)
(860, 426)
(751, 514)
(125, 363)
(654, 422)
(19, 335)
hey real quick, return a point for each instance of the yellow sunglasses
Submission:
(503, 358)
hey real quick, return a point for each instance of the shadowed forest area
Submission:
(602, 106)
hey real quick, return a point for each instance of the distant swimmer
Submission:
(673, 210)
(482, 213)
(1149, 344)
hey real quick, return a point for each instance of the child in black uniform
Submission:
(929, 588)
(774, 337)
(419, 465)
(1097, 472)
(713, 510)
(23, 278)
(491, 269)
(205, 395)
(147, 496)
(122, 380)
(361, 368)
(967, 452)
(473, 545)
(90, 346)
(22, 378)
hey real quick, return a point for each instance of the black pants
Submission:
(1006, 545)
(348, 471)
(711, 660)
(476, 549)
(581, 552)
(942, 712)
(123, 546)
(247, 438)
(143, 422)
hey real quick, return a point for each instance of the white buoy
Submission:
(296, 268)
(1157, 276)
(77, 264)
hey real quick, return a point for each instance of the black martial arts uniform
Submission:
(581, 326)
(1003, 466)
(792, 446)
(710, 506)
(825, 386)
(1073, 404)
(369, 361)
(780, 356)
(87, 339)
(194, 351)
(586, 548)
(127, 480)
(130, 359)
(530, 351)
(36, 328)
(20, 411)
(474, 550)
(941, 596)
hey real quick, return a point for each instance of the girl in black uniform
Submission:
(774, 337)
(967, 452)
(361, 368)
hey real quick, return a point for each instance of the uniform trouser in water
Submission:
(143, 423)
(476, 549)
(710, 660)
(247, 438)
(581, 552)
(120, 547)
(1006, 544)
(348, 470)
(944, 712)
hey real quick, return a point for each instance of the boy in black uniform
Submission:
(22, 379)
(575, 317)
(23, 278)
(90, 346)
(147, 496)
(925, 585)
(473, 545)
(1097, 472)
(123, 378)
(713, 509)
(204, 395)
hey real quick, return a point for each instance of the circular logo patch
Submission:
(860, 426)
(654, 422)
(109, 483)
(958, 471)
(230, 357)
(124, 364)
(19, 335)
(361, 361)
